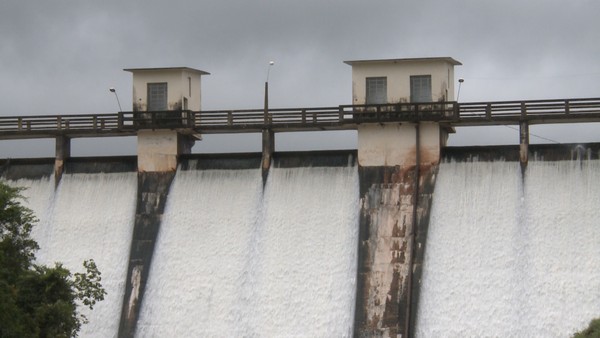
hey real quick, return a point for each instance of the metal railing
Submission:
(340, 117)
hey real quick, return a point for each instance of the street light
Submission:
(113, 90)
(266, 113)
(460, 82)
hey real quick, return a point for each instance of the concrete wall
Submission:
(157, 150)
(398, 75)
(394, 144)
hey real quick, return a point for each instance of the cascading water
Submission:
(306, 274)
(38, 195)
(89, 216)
(231, 261)
(201, 254)
(505, 258)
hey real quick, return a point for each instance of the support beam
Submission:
(268, 147)
(63, 152)
(523, 144)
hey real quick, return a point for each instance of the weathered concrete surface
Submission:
(386, 246)
(158, 149)
(393, 144)
(63, 152)
(153, 188)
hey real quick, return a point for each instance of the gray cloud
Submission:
(61, 56)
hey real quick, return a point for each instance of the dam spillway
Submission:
(232, 257)
(505, 256)
(89, 216)
(508, 257)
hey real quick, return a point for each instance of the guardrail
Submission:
(531, 110)
(340, 117)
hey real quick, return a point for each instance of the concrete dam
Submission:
(506, 254)
(403, 236)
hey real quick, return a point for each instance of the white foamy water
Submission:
(89, 216)
(93, 217)
(507, 260)
(306, 275)
(200, 259)
(38, 195)
(231, 261)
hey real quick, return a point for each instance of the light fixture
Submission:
(113, 90)
(460, 82)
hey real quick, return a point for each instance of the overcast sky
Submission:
(60, 57)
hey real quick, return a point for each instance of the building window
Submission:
(420, 88)
(376, 90)
(157, 96)
(189, 86)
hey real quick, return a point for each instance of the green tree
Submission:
(592, 331)
(38, 300)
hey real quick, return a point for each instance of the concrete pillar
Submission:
(397, 165)
(393, 144)
(268, 147)
(523, 144)
(157, 164)
(63, 152)
(158, 149)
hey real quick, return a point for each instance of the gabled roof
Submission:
(406, 60)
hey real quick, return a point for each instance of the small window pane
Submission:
(420, 88)
(157, 96)
(376, 90)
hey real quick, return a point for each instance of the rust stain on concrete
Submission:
(387, 206)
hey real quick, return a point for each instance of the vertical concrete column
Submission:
(268, 147)
(523, 144)
(157, 163)
(397, 164)
(153, 189)
(63, 152)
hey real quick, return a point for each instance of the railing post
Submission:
(567, 107)
(20, 123)
(488, 111)
(456, 111)
(94, 122)
(230, 118)
(341, 114)
(523, 110)
(303, 116)
(59, 122)
(190, 118)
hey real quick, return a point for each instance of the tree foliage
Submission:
(38, 300)
(592, 331)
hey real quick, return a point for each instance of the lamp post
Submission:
(113, 90)
(460, 82)
(268, 137)
(266, 112)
